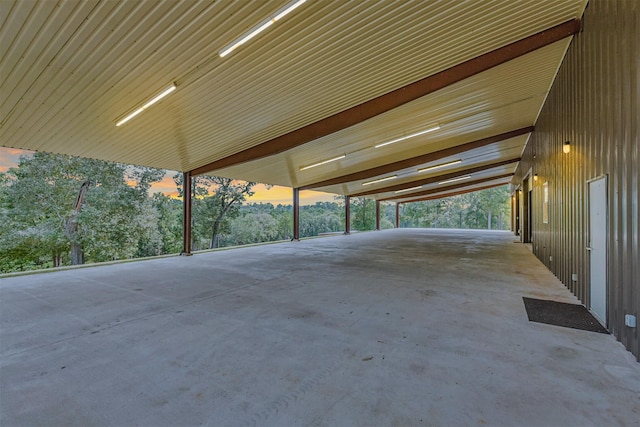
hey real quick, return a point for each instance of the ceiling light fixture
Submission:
(324, 162)
(375, 181)
(460, 178)
(408, 189)
(407, 136)
(443, 165)
(281, 13)
(566, 147)
(147, 104)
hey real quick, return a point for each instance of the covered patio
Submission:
(398, 327)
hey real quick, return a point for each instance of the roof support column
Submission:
(513, 213)
(398, 215)
(378, 215)
(347, 214)
(186, 213)
(296, 215)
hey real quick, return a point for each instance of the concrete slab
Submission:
(399, 327)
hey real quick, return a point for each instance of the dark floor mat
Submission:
(562, 314)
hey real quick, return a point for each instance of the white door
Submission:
(598, 247)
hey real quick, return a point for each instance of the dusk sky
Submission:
(9, 157)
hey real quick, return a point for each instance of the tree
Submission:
(169, 223)
(495, 202)
(216, 200)
(363, 213)
(75, 207)
(253, 228)
(321, 217)
(283, 215)
(472, 210)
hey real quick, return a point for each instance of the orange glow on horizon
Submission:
(275, 195)
(284, 196)
(166, 185)
(9, 157)
(15, 151)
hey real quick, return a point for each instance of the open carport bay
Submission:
(399, 327)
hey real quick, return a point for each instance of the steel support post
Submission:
(296, 214)
(347, 214)
(186, 211)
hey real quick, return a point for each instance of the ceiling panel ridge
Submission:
(395, 98)
(437, 178)
(419, 160)
(456, 193)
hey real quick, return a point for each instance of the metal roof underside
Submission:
(70, 69)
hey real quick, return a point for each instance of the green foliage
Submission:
(482, 209)
(52, 204)
(363, 214)
(322, 217)
(168, 226)
(216, 201)
(253, 228)
(59, 210)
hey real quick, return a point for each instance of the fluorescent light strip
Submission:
(375, 181)
(460, 178)
(407, 137)
(252, 34)
(408, 189)
(287, 9)
(148, 104)
(281, 13)
(443, 165)
(324, 162)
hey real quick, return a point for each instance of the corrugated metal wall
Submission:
(594, 104)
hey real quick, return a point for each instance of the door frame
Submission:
(606, 251)
(526, 208)
(517, 210)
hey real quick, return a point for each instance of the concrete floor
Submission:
(392, 328)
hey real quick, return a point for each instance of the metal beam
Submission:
(449, 187)
(296, 214)
(436, 178)
(397, 215)
(419, 160)
(455, 193)
(347, 214)
(378, 215)
(186, 213)
(396, 98)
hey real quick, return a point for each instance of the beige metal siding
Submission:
(594, 105)
(502, 99)
(69, 70)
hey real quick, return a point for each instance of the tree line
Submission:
(60, 210)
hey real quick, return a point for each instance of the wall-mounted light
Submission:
(535, 177)
(566, 147)
(263, 25)
(375, 181)
(442, 165)
(324, 162)
(147, 105)
(407, 136)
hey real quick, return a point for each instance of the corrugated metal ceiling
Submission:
(70, 69)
